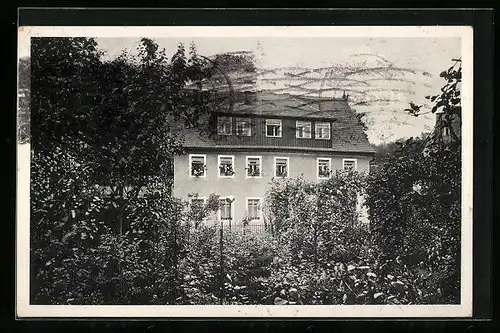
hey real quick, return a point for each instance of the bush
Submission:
(414, 206)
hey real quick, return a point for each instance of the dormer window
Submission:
(224, 125)
(243, 127)
(303, 129)
(273, 128)
(322, 131)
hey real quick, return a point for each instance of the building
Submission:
(448, 125)
(269, 136)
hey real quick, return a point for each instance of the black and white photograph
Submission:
(244, 171)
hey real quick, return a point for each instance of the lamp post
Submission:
(230, 200)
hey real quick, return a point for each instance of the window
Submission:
(273, 128)
(281, 167)
(324, 167)
(253, 208)
(349, 164)
(197, 203)
(254, 165)
(225, 209)
(224, 125)
(323, 131)
(226, 166)
(303, 129)
(243, 127)
(197, 167)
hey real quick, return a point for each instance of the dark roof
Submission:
(347, 133)
(286, 105)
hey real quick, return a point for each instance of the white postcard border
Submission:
(26, 310)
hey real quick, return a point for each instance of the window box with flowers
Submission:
(197, 166)
(226, 166)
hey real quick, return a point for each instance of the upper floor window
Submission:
(254, 165)
(224, 125)
(324, 167)
(273, 127)
(303, 129)
(253, 208)
(281, 167)
(226, 166)
(349, 164)
(197, 165)
(243, 127)
(323, 131)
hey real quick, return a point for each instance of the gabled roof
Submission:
(348, 135)
(286, 105)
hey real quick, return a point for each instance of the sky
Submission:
(429, 54)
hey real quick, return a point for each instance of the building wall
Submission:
(240, 186)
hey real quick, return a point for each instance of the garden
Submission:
(106, 230)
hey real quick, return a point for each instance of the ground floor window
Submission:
(254, 208)
(197, 165)
(226, 166)
(225, 209)
(324, 167)
(349, 164)
(281, 167)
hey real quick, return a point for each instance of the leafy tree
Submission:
(414, 200)
(102, 144)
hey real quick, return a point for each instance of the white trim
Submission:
(297, 128)
(316, 130)
(219, 212)
(317, 166)
(259, 208)
(281, 128)
(218, 166)
(287, 166)
(204, 163)
(355, 160)
(260, 166)
(230, 125)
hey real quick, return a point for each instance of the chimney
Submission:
(345, 96)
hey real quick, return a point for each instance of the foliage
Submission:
(414, 206)
(447, 106)
(104, 229)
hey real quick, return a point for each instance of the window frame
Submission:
(204, 163)
(355, 160)
(287, 166)
(198, 198)
(329, 166)
(260, 166)
(280, 126)
(259, 209)
(248, 121)
(321, 123)
(219, 211)
(297, 128)
(230, 125)
(218, 166)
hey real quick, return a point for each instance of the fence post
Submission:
(221, 264)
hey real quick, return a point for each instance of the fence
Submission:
(250, 228)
